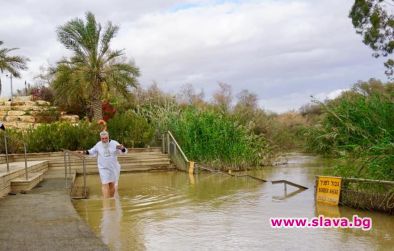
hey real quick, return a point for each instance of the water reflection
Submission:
(176, 211)
(287, 195)
(327, 210)
(111, 222)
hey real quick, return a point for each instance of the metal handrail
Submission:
(67, 165)
(177, 145)
(181, 162)
(6, 152)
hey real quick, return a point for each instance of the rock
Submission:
(16, 113)
(17, 103)
(23, 113)
(22, 108)
(13, 124)
(27, 118)
(22, 98)
(42, 102)
(70, 118)
(12, 118)
(5, 108)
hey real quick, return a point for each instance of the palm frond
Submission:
(93, 64)
(108, 35)
(12, 64)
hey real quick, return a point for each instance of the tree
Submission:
(189, 96)
(223, 97)
(94, 69)
(373, 19)
(12, 64)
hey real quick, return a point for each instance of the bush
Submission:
(130, 129)
(14, 141)
(58, 135)
(49, 115)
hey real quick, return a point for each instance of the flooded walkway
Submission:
(173, 211)
(44, 219)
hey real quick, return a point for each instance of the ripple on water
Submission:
(167, 211)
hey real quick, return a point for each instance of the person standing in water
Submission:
(106, 151)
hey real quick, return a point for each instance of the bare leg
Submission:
(111, 189)
(105, 188)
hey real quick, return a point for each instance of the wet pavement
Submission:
(44, 219)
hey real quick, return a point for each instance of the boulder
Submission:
(69, 118)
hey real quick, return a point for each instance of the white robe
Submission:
(107, 161)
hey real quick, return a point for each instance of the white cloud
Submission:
(330, 95)
(284, 51)
(284, 103)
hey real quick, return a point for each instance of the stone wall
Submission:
(23, 113)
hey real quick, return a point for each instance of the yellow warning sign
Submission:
(328, 189)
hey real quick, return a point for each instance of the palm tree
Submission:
(93, 68)
(12, 64)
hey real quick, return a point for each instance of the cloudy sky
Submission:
(283, 50)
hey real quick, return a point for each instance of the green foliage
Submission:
(373, 20)
(49, 115)
(55, 136)
(94, 69)
(211, 137)
(359, 125)
(69, 93)
(130, 129)
(286, 137)
(11, 64)
(52, 137)
(14, 141)
(284, 131)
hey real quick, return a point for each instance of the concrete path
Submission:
(44, 219)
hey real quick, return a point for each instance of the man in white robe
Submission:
(106, 151)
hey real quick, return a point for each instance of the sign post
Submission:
(328, 189)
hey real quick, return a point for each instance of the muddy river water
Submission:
(175, 211)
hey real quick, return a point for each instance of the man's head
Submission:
(104, 136)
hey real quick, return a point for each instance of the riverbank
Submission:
(44, 219)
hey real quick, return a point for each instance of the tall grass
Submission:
(359, 126)
(210, 137)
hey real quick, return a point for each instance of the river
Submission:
(210, 211)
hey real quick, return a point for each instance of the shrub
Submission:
(14, 141)
(130, 129)
(58, 135)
